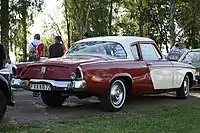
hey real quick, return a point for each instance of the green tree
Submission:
(188, 16)
(83, 16)
(5, 26)
(22, 13)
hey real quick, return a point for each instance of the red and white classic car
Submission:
(112, 68)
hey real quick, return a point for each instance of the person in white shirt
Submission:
(36, 41)
(36, 49)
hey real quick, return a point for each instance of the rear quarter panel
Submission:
(181, 69)
(20, 67)
(100, 75)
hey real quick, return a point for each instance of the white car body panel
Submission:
(173, 77)
(179, 75)
(159, 80)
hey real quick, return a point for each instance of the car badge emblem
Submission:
(43, 70)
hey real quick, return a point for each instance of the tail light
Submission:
(79, 73)
(16, 72)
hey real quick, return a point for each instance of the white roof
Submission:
(125, 41)
(118, 39)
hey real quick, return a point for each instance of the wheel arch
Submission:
(191, 79)
(120, 75)
(127, 80)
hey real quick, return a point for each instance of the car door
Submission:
(161, 71)
(140, 72)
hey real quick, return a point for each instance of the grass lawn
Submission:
(173, 119)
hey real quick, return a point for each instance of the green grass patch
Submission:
(176, 119)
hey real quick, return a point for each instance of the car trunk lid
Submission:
(56, 68)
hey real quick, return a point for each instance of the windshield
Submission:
(192, 57)
(98, 47)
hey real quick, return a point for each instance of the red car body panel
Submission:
(57, 69)
(98, 72)
(99, 75)
(19, 68)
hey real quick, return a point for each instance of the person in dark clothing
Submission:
(2, 56)
(58, 49)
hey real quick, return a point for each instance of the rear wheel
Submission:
(53, 99)
(115, 97)
(183, 92)
(3, 105)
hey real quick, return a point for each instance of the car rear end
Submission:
(51, 77)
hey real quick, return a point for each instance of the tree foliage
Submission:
(166, 21)
(19, 17)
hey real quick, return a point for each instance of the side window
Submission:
(135, 53)
(149, 52)
(157, 53)
(119, 51)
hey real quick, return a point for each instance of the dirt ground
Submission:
(27, 112)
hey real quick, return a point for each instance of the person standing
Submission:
(183, 48)
(57, 49)
(2, 56)
(175, 52)
(36, 49)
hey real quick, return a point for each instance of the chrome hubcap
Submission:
(117, 94)
(186, 86)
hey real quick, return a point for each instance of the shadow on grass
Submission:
(74, 108)
(136, 101)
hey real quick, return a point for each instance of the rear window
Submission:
(98, 47)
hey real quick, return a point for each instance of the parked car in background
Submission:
(192, 57)
(113, 68)
(6, 95)
(6, 73)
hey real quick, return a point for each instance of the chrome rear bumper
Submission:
(76, 86)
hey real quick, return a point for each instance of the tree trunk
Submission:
(141, 23)
(172, 25)
(166, 40)
(68, 23)
(148, 17)
(5, 27)
(110, 17)
(24, 28)
(87, 16)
